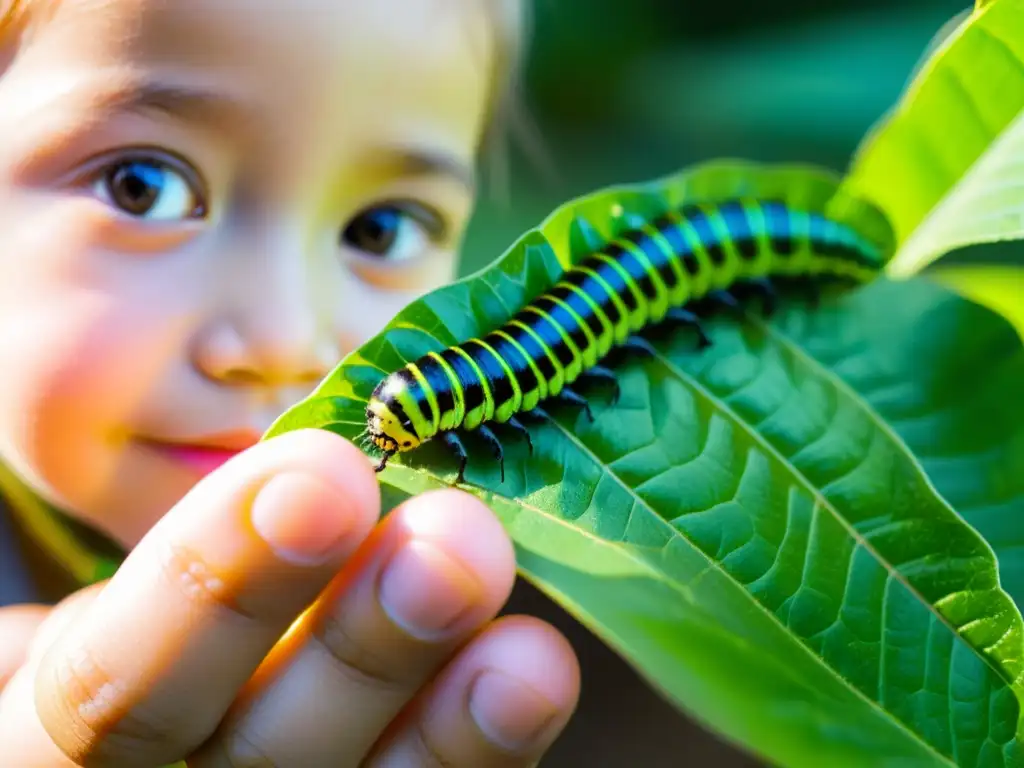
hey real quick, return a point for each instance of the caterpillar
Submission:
(649, 275)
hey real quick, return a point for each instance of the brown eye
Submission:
(150, 189)
(393, 232)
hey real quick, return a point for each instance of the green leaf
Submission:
(954, 399)
(998, 286)
(946, 31)
(744, 526)
(945, 164)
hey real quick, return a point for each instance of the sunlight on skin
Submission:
(237, 292)
(203, 210)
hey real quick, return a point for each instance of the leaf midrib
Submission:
(631, 553)
(827, 374)
(826, 505)
(841, 385)
(816, 368)
(715, 565)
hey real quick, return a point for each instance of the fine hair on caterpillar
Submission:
(653, 274)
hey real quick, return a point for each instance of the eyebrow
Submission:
(179, 101)
(194, 102)
(418, 162)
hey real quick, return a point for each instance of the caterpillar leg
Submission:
(458, 450)
(601, 374)
(688, 319)
(723, 299)
(517, 425)
(536, 414)
(640, 346)
(568, 397)
(383, 461)
(492, 440)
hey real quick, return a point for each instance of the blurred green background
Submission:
(625, 90)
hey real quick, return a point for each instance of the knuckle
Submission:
(200, 583)
(354, 658)
(95, 717)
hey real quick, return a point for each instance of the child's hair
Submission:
(507, 120)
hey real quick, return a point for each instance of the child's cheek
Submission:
(86, 348)
(83, 369)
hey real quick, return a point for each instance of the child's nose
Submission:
(269, 351)
(273, 319)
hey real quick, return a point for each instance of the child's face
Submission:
(203, 207)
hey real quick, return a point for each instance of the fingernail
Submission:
(511, 713)
(302, 518)
(426, 592)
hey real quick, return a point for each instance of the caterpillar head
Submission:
(387, 424)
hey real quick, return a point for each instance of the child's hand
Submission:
(399, 663)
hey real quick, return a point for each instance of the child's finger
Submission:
(21, 733)
(18, 625)
(435, 571)
(60, 617)
(146, 673)
(501, 704)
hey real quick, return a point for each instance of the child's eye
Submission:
(394, 232)
(150, 189)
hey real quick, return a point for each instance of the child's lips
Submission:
(207, 453)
